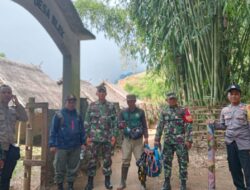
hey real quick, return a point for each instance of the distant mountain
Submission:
(125, 75)
(131, 79)
(147, 87)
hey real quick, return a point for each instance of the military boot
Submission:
(70, 186)
(183, 185)
(60, 186)
(143, 186)
(107, 183)
(90, 184)
(123, 178)
(166, 185)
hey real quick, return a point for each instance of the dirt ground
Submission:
(197, 174)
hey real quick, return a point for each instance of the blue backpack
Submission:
(150, 161)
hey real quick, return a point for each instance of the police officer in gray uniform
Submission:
(8, 118)
(234, 120)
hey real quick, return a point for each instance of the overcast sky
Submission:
(24, 40)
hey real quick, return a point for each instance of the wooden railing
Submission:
(199, 113)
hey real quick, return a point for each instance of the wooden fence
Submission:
(199, 114)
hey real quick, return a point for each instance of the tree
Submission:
(201, 46)
(2, 54)
(147, 87)
(205, 39)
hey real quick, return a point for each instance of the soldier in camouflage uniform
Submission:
(8, 118)
(101, 130)
(175, 125)
(132, 121)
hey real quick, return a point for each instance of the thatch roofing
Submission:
(29, 81)
(114, 93)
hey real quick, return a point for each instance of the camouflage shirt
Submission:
(175, 126)
(234, 120)
(8, 118)
(101, 121)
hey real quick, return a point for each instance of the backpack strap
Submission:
(60, 116)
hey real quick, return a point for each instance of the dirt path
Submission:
(197, 174)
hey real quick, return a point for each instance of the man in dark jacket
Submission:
(67, 137)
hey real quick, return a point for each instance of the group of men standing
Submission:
(70, 134)
(100, 132)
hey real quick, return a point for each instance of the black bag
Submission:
(136, 133)
(13, 153)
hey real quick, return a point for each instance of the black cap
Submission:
(171, 95)
(234, 87)
(5, 86)
(71, 97)
(131, 97)
(101, 88)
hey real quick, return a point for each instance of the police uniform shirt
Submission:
(234, 119)
(8, 118)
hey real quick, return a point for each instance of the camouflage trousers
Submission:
(168, 155)
(100, 150)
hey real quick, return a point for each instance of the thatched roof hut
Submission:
(116, 94)
(29, 80)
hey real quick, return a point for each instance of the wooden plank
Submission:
(19, 132)
(45, 136)
(37, 105)
(29, 145)
(33, 163)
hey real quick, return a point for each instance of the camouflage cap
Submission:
(131, 97)
(171, 95)
(233, 87)
(71, 97)
(101, 88)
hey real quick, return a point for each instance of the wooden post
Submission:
(211, 156)
(45, 136)
(19, 132)
(29, 144)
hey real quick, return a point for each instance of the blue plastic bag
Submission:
(150, 161)
(153, 161)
